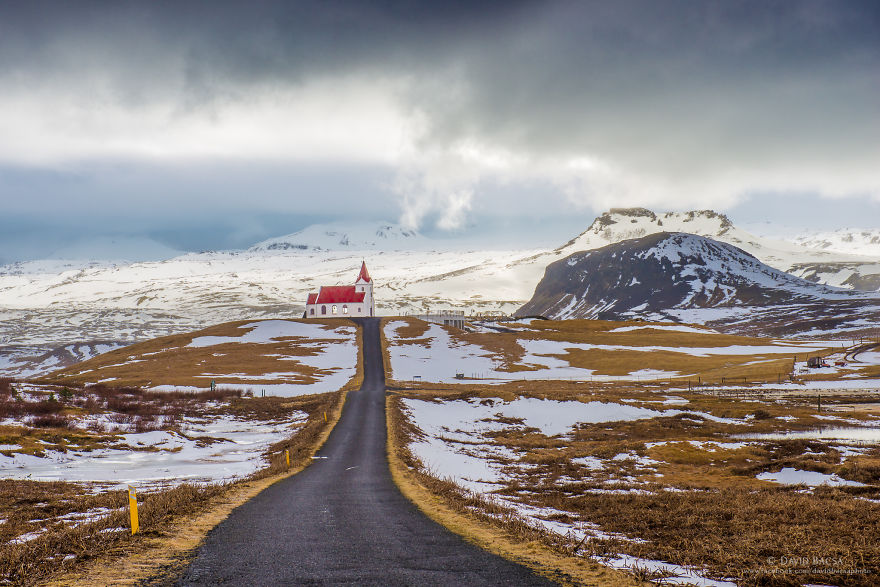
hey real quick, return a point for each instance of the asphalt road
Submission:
(343, 520)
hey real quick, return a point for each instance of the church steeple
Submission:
(364, 275)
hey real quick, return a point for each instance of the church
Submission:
(343, 300)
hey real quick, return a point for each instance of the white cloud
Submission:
(333, 119)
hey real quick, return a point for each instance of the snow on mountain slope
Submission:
(351, 237)
(56, 266)
(852, 241)
(856, 268)
(115, 248)
(122, 304)
(47, 305)
(654, 276)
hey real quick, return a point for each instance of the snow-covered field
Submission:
(853, 241)
(456, 447)
(459, 442)
(454, 430)
(112, 438)
(47, 305)
(439, 354)
(199, 451)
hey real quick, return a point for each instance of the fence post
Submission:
(133, 509)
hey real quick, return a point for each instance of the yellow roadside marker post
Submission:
(133, 509)
(325, 417)
(287, 457)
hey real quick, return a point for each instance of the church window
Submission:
(344, 309)
(323, 309)
(334, 308)
(312, 311)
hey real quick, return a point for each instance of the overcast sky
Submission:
(217, 124)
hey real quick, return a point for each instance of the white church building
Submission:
(343, 300)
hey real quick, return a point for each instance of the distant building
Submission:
(343, 300)
(454, 318)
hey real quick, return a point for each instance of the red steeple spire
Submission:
(364, 275)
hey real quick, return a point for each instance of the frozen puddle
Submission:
(792, 476)
(202, 452)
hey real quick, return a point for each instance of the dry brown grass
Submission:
(82, 551)
(710, 368)
(28, 505)
(718, 516)
(168, 361)
(484, 522)
(50, 425)
(734, 531)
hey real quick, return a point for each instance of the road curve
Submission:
(343, 520)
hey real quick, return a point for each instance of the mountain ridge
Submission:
(344, 236)
(654, 276)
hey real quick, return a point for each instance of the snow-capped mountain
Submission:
(820, 265)
(852, 241)
(675, 275)
(116, 248)
(351, 237)
(619, 224)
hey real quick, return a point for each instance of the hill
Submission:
(845, 259)
(679, 276)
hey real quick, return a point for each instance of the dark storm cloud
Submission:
(682, 102)
(539, 75)
(233, 42)
(637, 79)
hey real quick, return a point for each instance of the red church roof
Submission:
(337, 294)
(312, 298)
(363, 274)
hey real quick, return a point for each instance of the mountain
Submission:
(677, 276)
(350, 237)
(854, 267)
(115, 248)
(853, 241)
(619, 224)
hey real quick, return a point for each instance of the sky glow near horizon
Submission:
(182, 120)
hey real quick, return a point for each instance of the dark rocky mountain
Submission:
(690, 278)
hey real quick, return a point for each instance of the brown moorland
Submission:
(69, 525)
(169, 361)
(76, 533)
(686, 490)
(633, 352)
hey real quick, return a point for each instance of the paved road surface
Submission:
(343, 520)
